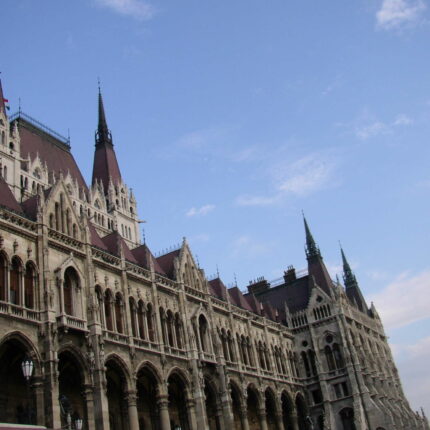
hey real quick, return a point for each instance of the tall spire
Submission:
(312, 249)
(351, 285)
(103, 134)
(105, 168)
(2, 99)
(348, 274)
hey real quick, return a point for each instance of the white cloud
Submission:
(412, 361)
(138, 9)
(369, 129)
(246, 246)
(307, 175)
(246, 200)
(405, 300)
(396, 13)
(300, 178)
(203, 210)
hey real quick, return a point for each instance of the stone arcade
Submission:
(124, 340)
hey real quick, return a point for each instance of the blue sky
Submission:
(229, 118)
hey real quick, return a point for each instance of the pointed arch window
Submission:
(15, 281)
(70, 290)
(150, 322)
(29, 285)
(133, 312)
(337, 354)
(329, 357)
(108, 310)
(3, 278)
(118, 313)
(178, 331)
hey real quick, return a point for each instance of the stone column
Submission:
(295, 420)
(279, 421)
(132, 410)
(89, 400)
(262, 418)
(192, 414)
(39, 401)
(244, 418)
(163, 405)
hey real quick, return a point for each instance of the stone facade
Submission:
(124, 340)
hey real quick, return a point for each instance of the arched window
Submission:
(203, 332)
(178, 330)
(118, 313)
(51, 221)
(5, 173)
(169, 324)
(15, 281)
(141, 319)
(108, 310)
(3, 138)
(150, 322)
(71, 285)
(306, 364)
(29, 285)
(3, 278)
(133, 312)
(338, 356)
(347, 418)
(230, 347)
(311, 355)
(75, 231)
(329, 357)
(99, 298)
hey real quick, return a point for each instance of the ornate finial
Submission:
(348, 274)
(19, 106)
(217, 271)
(235, 279)
(143, 235)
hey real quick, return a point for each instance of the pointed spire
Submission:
(348, 274)
(103, 134)
(351, 285)
(312, 249)
(2, 99)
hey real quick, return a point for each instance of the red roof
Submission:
(51, 151)
(106, 165)
(238, 299)
(7, 199)
(113, 241)
(143, 256)
(166, 262)
(95, 238)
(218, 289)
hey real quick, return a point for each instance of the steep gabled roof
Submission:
(143, 255)
(53, 152)
(218, 289)
(7, 199)
(166, 262)
(113, 242)
(238, 299)
(95, 238)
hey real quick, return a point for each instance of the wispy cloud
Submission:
(394, 14)
(405, 300)
(246, 246)
(138, 9)
(367, 129)
(203, 210)
(307, 175)
(299, 178)
(412, 360)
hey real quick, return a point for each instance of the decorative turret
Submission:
(105, 166)
(351, 285)
(316, 268)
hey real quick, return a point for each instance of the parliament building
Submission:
(98, 333)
